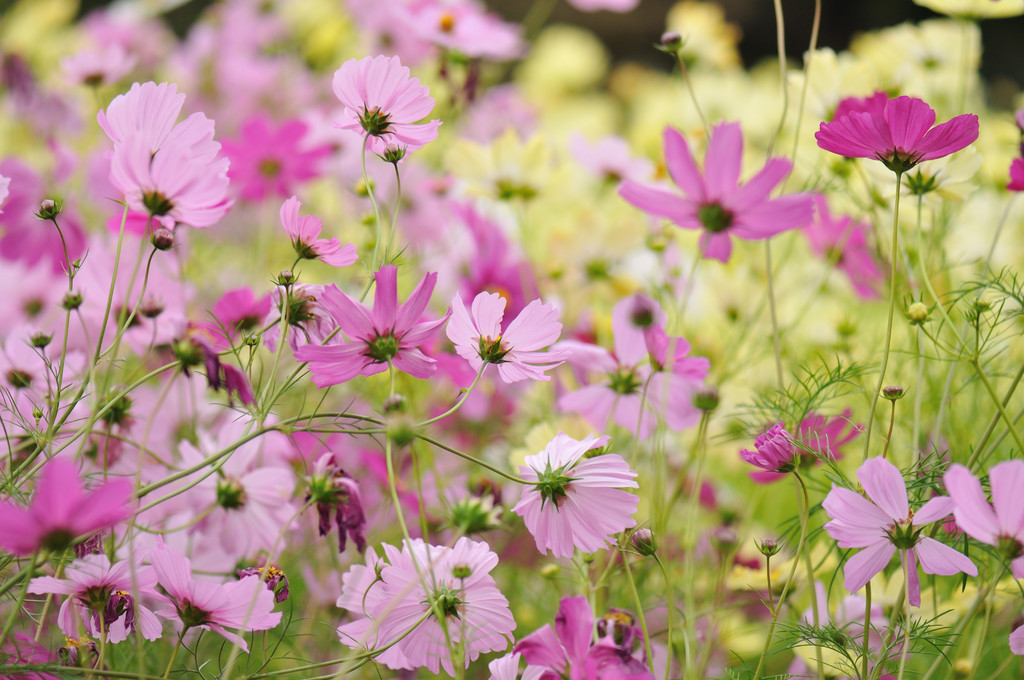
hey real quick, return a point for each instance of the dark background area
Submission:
(630, 36)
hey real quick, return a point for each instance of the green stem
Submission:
(669, 616)
(693, 95)
(460, 402)
(892, 422)
(867, 629)
(999, 405)
(639, 608)
(174, 653)
(16, 607)
(805, 513)
(892, 307)
(776, 343)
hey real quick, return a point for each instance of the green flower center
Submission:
(714, 217)
(270, 167)
(1009, 547)
(552, 485)
(230, 494)
(156, 203)
(383, 348)
(375, 122)
(624, 381)
(444, 602)
(492, 351)
(904, 535)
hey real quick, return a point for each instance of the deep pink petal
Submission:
(542, 648)
(574, 624)
(760, 186)
(682, 167)
(58, 494)
(883, 483)
(716, 246)
(385, 300)
(656, 201)
(410, 312)
(908, 120)
(949, 137)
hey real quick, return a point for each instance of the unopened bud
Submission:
(48, 209)
(396, 403)
(162, 239)
(671, 42)
(706, 398)
(893, 392)
(917, 313)
(769, 547)
(643, 541)
(41, 340)
(72, 300)
(286, 278)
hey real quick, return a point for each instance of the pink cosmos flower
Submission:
(464, 27)
(61, 511)
(518, 352)
(94, 68)
(610, 158)
(715, 201)
(453, 584)
(574, 502)
(236, 312)
(1001, 526)
(885, 524)
(644, 355)
(97, 590)
(246, 604)
(824, 436)
(773, 450)
(305, 235)
(5, 182)
(1017, 641)
(269, 159)
(900, 132)
(846, 241)
(569, 651)
(609, 5)
(1016, 175)
(389, 334)
(382, 102)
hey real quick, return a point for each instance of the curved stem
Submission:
(892, 306)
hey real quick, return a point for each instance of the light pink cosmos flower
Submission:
(383, 102)
(270, 159)
(841, 238)
(97, 590)
(575, 502)
(518, 352)
(246, 604)
(305, 231)
(388, 334)
(609, 5)
(569, 651)
(1001, 526)
(610, 158)
(1017, 641)
(885, 524)
(61, 511)
(94, 68)
(464, 27)
(900, 132)
(714, 200)
(453, 584)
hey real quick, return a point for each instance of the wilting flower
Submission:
(519, 350)
(275, 579)
(196, 349)
(449, 585)
(389, 334)
(61, 511)
(382, 102)
(885, 524)
(305, 231)
(1001, 526)
(569, 651)
(774, 450)
(102, 597)
(245, 604)
(714, 200)
(575, 502)
(900, 132)
(333, 490)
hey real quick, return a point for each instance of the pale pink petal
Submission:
(883, 483)
(722, 162)
(938, 558)
(682, 167)
(1007, 482)
(860, 568)
(935, 509)
(1017, 641)
(973, 513)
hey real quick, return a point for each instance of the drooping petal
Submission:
(860, 568)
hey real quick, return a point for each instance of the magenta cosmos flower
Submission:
(389, 334)
(518, 352)
(61, 511)
(383, 102)
(100, 598)
(305, 231)
(900, 132)
(451, 586)
(715, 201)
(246, 604)
(844, 241)
(1001, 526)
(570, 651)
(774, 450)
(572, 502)
(1016, 175)
(269, 159)
(885, 524)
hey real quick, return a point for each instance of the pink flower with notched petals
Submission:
(269, 159)
(305, 231)
(575, 502)
(387, 335)
(885, 524)
(844, 241)
(61, 511)
(900, 132)
(383, 102)
(1001, 526)
(519, 350)
(714, 200)
(246, 604)
(98, 590)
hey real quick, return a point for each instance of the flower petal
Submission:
(938, 558)
(860, 568)
(1007, 482)
(883, 483)
(972, 512)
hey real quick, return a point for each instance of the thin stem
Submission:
(174, 653)
(776, 344)
(639, 608)
(693, 95)
(995, 419)
(805, 512)
(892, 307)
(394, 212)
(460, 402)
(780, 46)
(999, 404)
(670, 615)
(892, 422)
(16, 607)
(867, 629)
(376, 219)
